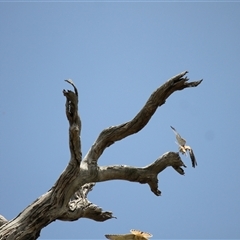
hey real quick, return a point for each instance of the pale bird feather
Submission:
(134, 235)
(183, 148)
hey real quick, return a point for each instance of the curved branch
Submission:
(143, 175)
(115, 133)
(70, 81)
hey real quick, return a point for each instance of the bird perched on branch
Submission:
(183, 148)
(134, 235)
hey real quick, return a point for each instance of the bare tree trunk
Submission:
(67, 199)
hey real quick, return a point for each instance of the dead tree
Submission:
(67, 199)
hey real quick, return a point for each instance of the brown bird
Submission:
(134, 235)
(183, 148)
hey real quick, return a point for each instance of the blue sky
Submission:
(118, 54)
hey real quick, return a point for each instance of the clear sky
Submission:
(118, 53)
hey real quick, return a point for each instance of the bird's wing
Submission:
(180, 140)
(192, 156)
(175, 131)
(120, 236)
(143, 235)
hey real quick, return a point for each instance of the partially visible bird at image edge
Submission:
(134, 235)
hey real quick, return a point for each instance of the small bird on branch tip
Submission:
(183, 148)
(134, 235)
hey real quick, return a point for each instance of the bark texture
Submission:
(67, 199)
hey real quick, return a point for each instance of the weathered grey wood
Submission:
(67, 199)
(3, 220)
(146, 174)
